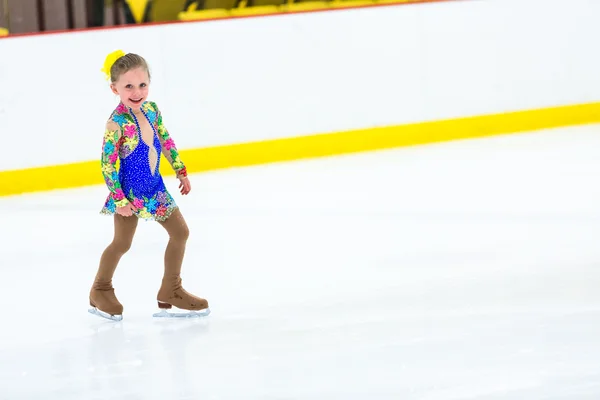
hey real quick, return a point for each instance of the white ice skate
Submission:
(163, 313)
(102, 314)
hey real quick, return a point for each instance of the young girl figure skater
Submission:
(136, 135)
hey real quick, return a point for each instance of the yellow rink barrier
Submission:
(290, 7)
(86, 173)
(3, 31)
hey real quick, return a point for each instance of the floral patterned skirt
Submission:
(158, 207)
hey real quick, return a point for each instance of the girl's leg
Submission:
(171, 292)
(102, 294)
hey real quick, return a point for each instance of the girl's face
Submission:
(132, 87)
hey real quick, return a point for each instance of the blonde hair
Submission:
(117, 63)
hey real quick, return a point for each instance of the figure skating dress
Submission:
(136, 182)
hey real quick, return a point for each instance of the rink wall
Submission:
(247, 91)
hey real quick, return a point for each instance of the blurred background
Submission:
(32, 16)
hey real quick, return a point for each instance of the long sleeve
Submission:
(110, 155)
(169, 150)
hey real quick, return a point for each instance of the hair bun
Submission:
(110, 60)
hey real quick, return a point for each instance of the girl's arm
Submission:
(168, 147)
(110, 155)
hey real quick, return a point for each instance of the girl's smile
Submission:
(132, 87)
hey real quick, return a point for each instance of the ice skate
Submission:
(173, 295)
(104, 302)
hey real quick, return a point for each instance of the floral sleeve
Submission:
(169, 150)
(110, 155)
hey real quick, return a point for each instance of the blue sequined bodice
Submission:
(136, 174)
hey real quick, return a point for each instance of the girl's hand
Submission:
(184, 185)
(126, 211)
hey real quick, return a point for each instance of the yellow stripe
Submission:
(328, 144)
(290, 7)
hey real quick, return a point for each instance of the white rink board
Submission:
(259, 78)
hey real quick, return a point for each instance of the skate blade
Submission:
(188, 314)
(102, 314)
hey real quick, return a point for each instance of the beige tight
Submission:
(125, 228)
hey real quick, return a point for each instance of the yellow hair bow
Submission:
(110, 60)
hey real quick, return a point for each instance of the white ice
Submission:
(465, 270)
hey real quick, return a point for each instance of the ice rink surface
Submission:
(466, 270)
